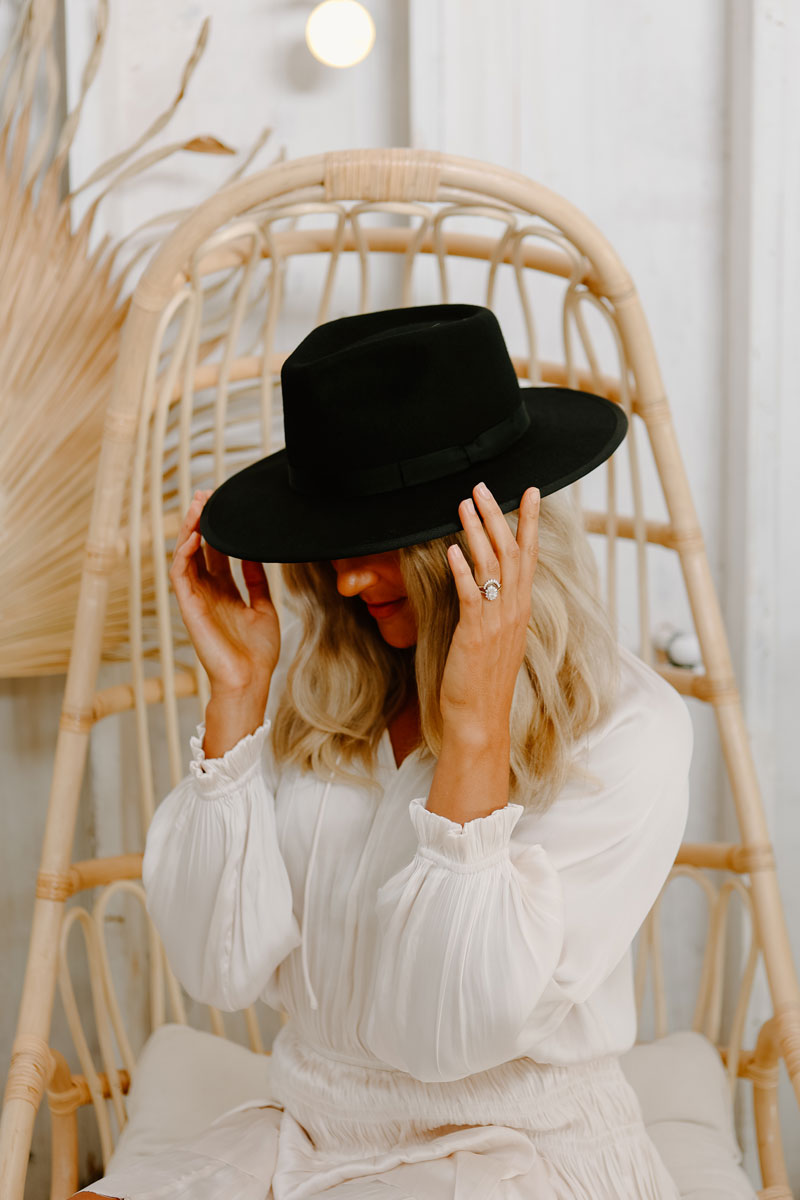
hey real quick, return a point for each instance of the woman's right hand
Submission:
(237, 643)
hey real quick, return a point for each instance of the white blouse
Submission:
(393, 936)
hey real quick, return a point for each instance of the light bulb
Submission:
(340, 33)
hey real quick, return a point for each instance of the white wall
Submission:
(762, 535)
(673, 128)
(256, 73)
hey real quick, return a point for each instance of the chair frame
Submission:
(383, 176)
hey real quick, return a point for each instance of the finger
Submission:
(188, 566)
(483, 557)
(469, 593)
(190, 519)
(218, 565)
(483, 553)
(528, 537)
(255, 577)
(504, 544)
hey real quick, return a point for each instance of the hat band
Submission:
(409, 472)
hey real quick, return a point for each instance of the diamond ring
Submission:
(490, 589)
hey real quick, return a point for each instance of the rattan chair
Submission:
(186, 412)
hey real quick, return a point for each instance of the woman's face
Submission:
(376, 579)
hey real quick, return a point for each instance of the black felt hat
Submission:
(390, 419)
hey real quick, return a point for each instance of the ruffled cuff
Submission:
(216, 776)
(477, 843)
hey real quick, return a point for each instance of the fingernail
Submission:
(482, 490)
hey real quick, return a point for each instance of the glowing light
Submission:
(340, 33)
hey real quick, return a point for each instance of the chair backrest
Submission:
(226, 297)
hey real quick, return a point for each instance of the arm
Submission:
(501, 925)
(216, 884)
(229, 719)
(471, 778)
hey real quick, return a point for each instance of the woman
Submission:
(428, 816)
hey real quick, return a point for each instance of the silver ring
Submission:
(490, 589)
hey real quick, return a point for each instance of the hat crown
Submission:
(386, 399)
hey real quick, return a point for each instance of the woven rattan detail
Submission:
(50, 886)
(76, 720)
(656, 412)
(63, 1104)
(79, 1094)
(747, 859)
(100, 560)
(721, 690)
(31, 1068)
(689, 542)
(788, 1017)
(764, 1076)
(395, 174)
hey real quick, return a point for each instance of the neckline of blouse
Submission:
(385, 745)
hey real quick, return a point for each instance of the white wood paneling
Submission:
(256, 72)
(761, 532)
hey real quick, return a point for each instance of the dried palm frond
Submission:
(62, 306)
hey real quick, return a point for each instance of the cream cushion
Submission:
(683, 1093)
(186, 1078)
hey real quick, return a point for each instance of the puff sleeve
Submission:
(216, 885)
(499, 927)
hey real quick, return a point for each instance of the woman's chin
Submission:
(397, 634)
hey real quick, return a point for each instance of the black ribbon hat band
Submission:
(409, 472)
(390, 419)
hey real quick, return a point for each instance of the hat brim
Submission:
(257, 515)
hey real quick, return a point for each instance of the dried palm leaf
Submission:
(62, 306)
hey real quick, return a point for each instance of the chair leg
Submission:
(64, 1130)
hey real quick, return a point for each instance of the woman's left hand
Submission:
(488, 646)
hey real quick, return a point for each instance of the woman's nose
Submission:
(353, 580)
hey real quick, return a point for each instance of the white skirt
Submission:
(343, 1131)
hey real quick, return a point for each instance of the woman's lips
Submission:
(385, 610)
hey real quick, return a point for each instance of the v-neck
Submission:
(391, 761)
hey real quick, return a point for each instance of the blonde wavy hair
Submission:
(346, 684)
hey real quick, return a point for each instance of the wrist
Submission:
(472, 773)
(476, 737)
(240, 696)
(229, 718)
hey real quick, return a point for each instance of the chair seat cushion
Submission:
(685, 1101)
(186, 1078)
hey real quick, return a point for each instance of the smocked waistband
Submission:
(313, 1083)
